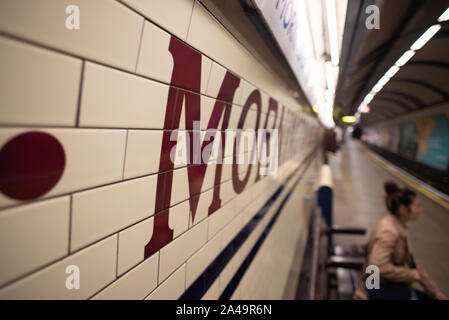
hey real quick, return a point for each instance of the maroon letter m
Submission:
(186, 74)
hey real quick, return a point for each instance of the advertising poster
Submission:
(433, 141)
(408, 141)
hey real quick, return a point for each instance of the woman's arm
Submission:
(429, 285)
(381, 254)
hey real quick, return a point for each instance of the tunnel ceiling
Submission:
(368, 54)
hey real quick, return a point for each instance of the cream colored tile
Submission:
(232, 229)
(178, 219)
(96, 266)
(201, 260)
(28, 242)
(221, 218)
(206, 65)
(247, 89)
(171, 15)
(99, 212)
(141, 155)
(131, 244)
(109, 32)
(113, 98)
(37, 86)
(92, 157)
(209, 177)
(207, 106)
(236, 112)
(134, 285)
(172, 288)
(155, 60)
(180, 249)
(217, 75)
(180, 186)
(252, 210)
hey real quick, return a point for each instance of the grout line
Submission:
(116, 260)
(190, 20)
(158, 266)
(124, 155)
(140, 45)
(78, 110)
(70, 223)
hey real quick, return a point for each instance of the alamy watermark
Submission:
(240, 147)
(73, 280)
(373, 280)
(72, 22)
(373, 20)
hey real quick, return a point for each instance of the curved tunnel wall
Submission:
(86, 176)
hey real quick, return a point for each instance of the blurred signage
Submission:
(288, 21)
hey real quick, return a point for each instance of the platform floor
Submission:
(359, 201)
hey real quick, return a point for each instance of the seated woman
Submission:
(390, 250)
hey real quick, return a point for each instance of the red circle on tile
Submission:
(30, 165)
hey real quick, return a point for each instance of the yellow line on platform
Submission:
(413, 184)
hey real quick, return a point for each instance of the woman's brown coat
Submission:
(390, 250)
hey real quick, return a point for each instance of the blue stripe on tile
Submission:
(200, 286)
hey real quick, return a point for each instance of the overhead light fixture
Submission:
(444, 16)
(405, 58)
(368, 98)
(332, 30)
(383, 81)
(426, 36)
(392, 71)
(348, 119)
(377, 88)
(329, 76)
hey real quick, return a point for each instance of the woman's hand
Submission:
(440, 296)
(416, 275)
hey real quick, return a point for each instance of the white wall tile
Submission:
(202, 211)
(131, 244)
(172, 288)
(96, 268)
(113, 98)
(180, 186)
(99, 212)
(232, 229)
(155, 61)
(134, 285)
(92, 157)
(37, 86)
(221, 218)
(178, 218)
(109, 32)
(179, 250)
(216, 78)
(206, 66)
(201, 260)
(142, 152)
(171, 15)
(28, 242)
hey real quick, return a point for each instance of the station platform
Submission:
(358, 176)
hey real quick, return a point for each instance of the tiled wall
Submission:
(85, 118)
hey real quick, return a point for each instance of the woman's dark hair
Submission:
(397, 196)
